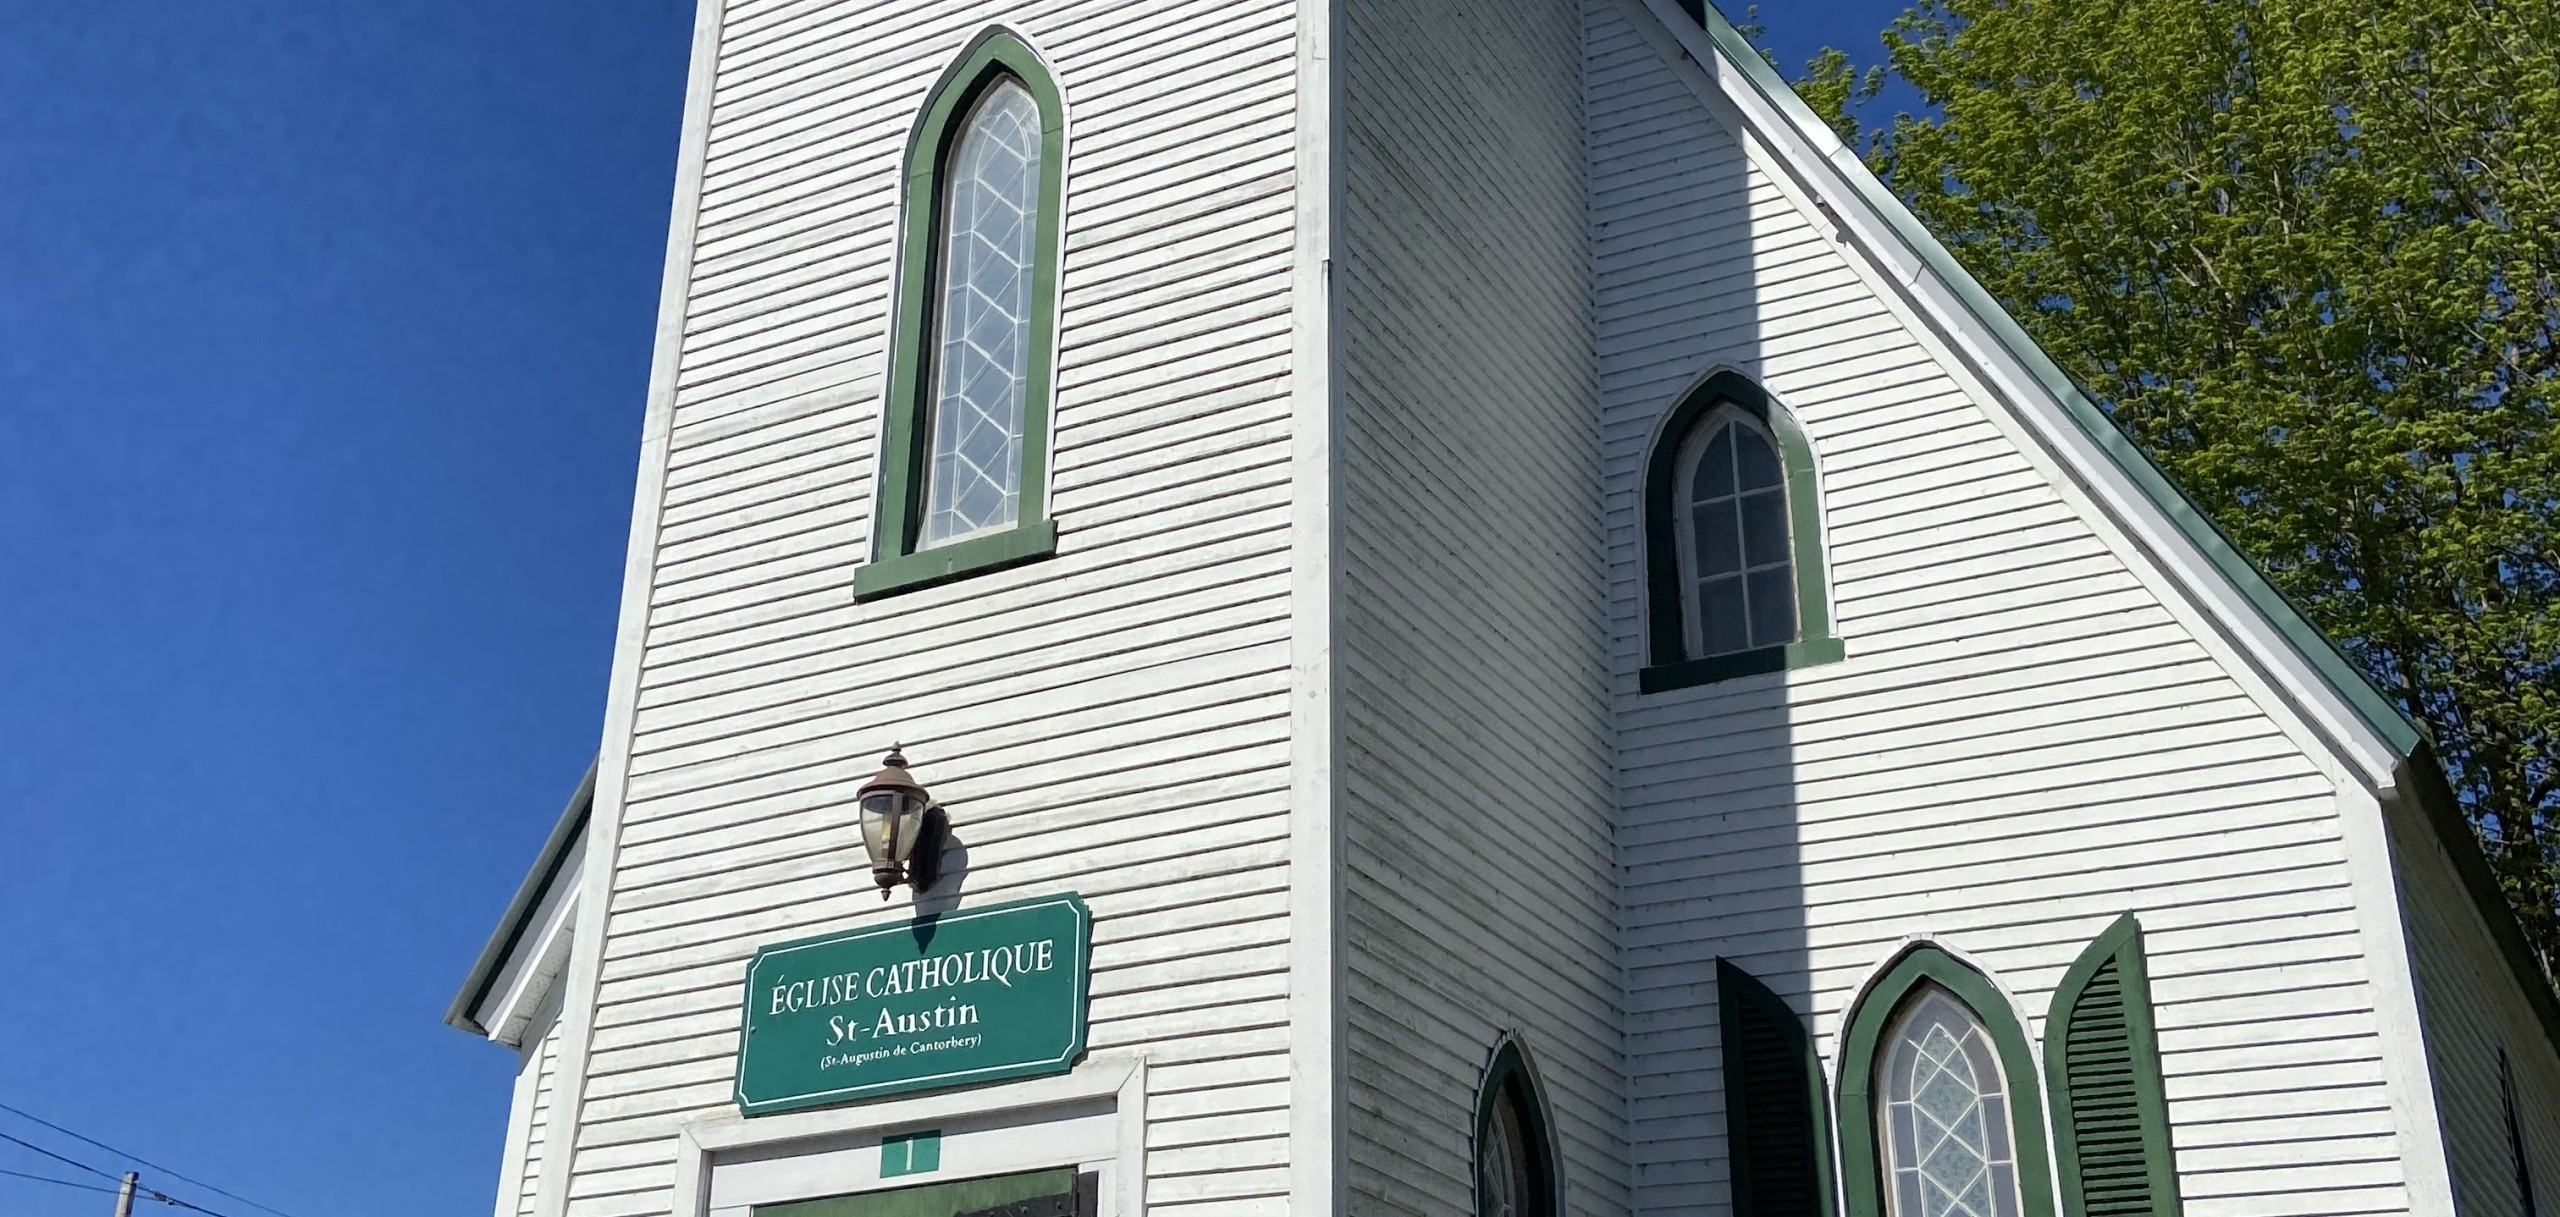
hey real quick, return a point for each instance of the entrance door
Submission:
(1053, 1193)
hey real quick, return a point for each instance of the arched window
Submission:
(982, 318)
(1737, 565)
(963, 483)
(1733, 541)
(1938, 1108)
(1515, 1164)
(1945, 1121)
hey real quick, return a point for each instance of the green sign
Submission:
(946, 1000)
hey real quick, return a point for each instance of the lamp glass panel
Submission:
(877, 809)
(907, 808)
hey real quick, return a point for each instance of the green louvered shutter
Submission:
(1777, 1122)
(2102, 1063)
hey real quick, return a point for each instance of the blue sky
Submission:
(324, 331)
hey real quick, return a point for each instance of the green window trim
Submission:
(1861, 1159)
(1667, 662)
(2102, 1066)
(897, 564)
(1780, 1164)
(1509, 1067)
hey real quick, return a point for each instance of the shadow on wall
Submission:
(1767, 801)
(1719, 598)
(1471, 646)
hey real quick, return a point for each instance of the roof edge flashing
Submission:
(517, 921)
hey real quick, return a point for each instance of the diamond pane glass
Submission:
(982, 321)
(1739, 551)
(1944, 1093)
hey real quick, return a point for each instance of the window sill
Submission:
(1690, 673)
(906, 572)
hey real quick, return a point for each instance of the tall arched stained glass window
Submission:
(982, 325)
(1944, 1123)
(964, 453)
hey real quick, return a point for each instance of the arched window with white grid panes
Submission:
(963, 483)
(1733, 541)
(1737, 565)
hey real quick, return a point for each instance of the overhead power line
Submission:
(165, 1198)
(138, 1160)
(57, 1157)
(86, 1187)
(162, 1197)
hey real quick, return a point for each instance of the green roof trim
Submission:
(2315, 647)
(547, 866)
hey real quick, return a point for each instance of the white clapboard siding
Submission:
(1471, 652)
(2023, 743)
(546, 1066)
(2472, 1013)
(1112, 720)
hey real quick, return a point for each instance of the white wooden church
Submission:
(1478, 623)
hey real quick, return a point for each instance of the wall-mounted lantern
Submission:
(902, 827)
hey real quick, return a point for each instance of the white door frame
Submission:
(1100, 1110)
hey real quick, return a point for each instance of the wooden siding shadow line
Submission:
(1683, 196)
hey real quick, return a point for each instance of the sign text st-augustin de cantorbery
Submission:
(971, 996)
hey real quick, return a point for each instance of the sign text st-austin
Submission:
(971, 996)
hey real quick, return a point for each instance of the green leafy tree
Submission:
(2304, 253)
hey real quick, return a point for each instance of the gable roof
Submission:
(518, 919)
(2370, 710)
(2365, 728)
